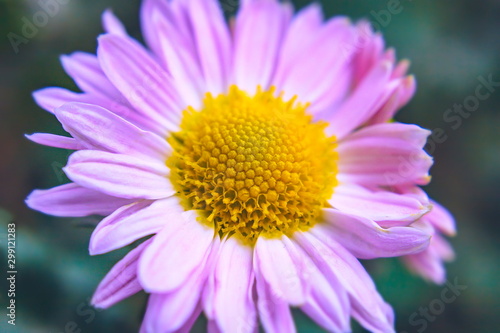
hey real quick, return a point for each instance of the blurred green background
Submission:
(450, 44)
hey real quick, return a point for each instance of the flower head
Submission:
(260, 159)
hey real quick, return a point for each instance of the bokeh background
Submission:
(451, 44)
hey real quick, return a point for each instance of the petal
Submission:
(56, 141)
(85, 69)
(119, 175)
(121, 281)
(367, 240)
(132, 222)
(177, 310)
(213, 42)
(173, 311)
(180, 57)
(378, 206)
(73, 200)
(181, 247)
(442, 219)
(335, 262)
(112, 24)
(402, 95)
(282, 268)
(233, 305)
(52, 98)
(274, 311)
(140, 79)
(328, 305)
(259, 30)
(305, 75)
(104, 130)
(385, 154)
(428, 265)
(362, 103)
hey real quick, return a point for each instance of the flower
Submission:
(260, 160)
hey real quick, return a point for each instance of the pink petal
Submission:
(181, 247)
(305, 75)
(334, 261)
(377, 206)
(121, 281)
(385, 154)
(73, 200)
(132, 222)
(398, 99)
(56, 141)
(282, 268)
(52, 98)
(442, 219)
(112, 24)
(259, 30)
(180, 57)
(328, 304)
(274, 311)
(428, 265)
(211, 36)
(147, 86)
(172, 312)
(104, 130)
(363, 102)
(85, 69)
(232, 302)
(119, 175)
(367, 240)
(304, 24)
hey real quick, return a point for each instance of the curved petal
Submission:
(112, 24)
(132, 222)
(378, 206)
(121, 281)
(259, 30)
(142, 81)
(328, 304)
(321, 81)
(363, 102)
(85, 69)
(283, 269)
(104, 130)
(367, 240)
(56, 141)
(181, 247)
(335, 262)
(52, 98)
(274, 311)
(233, 306)
(74, 200)
(211, 36)
(442, 219)
(385, 154)
(119, 175)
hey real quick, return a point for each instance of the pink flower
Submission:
(259, 159)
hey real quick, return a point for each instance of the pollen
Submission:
(253, 165)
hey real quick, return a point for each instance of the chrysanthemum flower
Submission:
(259, 158)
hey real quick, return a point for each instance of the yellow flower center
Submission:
(253, 165)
